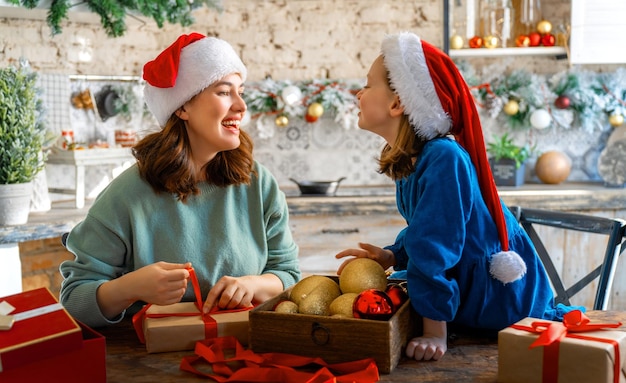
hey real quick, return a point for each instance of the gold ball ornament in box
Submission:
(553, 167)
(315, 109)
(616, 119)
(544, 27)
(456, 42)
(511, 107)
(491, 42)
(281, 121)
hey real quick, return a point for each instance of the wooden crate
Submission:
(335, 340)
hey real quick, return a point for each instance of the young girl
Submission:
(465, 258)
(195, 197)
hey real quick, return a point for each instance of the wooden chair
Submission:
(613, 228)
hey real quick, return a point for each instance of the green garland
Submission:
(592, 98)
(337, 98)
(113, 12)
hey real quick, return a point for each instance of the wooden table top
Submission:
(468, 359)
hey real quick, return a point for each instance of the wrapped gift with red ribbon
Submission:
(179, 326)
(40, 327)
(575, 350)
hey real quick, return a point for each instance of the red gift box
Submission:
(42, 328)
(85, 364)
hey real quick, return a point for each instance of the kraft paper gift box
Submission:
(179, 326)
(579, 356)
(42, 328)
(85, 364)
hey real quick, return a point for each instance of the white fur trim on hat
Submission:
(507, 266)
(405, 61)
(202, 63)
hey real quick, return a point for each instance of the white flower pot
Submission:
(15, 203)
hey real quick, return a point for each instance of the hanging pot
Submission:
(328, 188)
(105, 101)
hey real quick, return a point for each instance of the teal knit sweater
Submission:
(234, 230)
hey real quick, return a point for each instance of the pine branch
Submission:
(113, 12)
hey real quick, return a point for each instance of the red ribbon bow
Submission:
(551, 333)
(210, 325)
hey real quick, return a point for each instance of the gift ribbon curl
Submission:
(551, 334)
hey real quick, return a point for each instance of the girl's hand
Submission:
(384, 257)
(426, 348)
(432, 345)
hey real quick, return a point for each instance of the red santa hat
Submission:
(438, 102)
(184, 69)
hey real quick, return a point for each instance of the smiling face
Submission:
(212, 118)
(380, 107)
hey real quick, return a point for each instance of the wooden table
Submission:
(469, 359)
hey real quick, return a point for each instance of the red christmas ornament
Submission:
(476, 42)
(522, 41)
(398, 295)
(310, 118)
(535, 39)
(373, 304)
(548, 40)
(562, 102)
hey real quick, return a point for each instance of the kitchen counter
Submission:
(355, 201)
(568, 197)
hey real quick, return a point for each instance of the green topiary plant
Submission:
(22, 132)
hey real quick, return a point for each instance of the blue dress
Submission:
(449, 240)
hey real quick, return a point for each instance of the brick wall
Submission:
(40, 263)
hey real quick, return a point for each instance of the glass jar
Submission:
(464, 18)
(529, 14)
(497, 20)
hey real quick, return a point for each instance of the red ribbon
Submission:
(231, 362)
(551, 334)
(210, 325)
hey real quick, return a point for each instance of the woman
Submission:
(195, 198)
(466, 260)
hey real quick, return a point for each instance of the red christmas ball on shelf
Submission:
(548, 40)
(522, 41)
(476, 42)
(373, 304)
(562, 102)
(535, 39)
(310, 118)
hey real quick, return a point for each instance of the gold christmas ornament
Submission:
(456, 42)
(281, 121)
(544, 27)
(553, 167)
(511, 108)
(315, 109)
(491, 42)
(616, 120)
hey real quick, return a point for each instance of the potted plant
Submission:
(507, 160)
(22, 135)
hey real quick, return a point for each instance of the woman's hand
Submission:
(384, 257)
(160, 283)
(430, 346)
(240, 292)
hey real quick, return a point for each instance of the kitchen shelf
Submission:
(500, 52)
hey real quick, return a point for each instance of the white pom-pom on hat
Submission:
(194, 62)
(507, 266)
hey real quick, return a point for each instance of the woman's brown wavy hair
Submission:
(164, 161)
